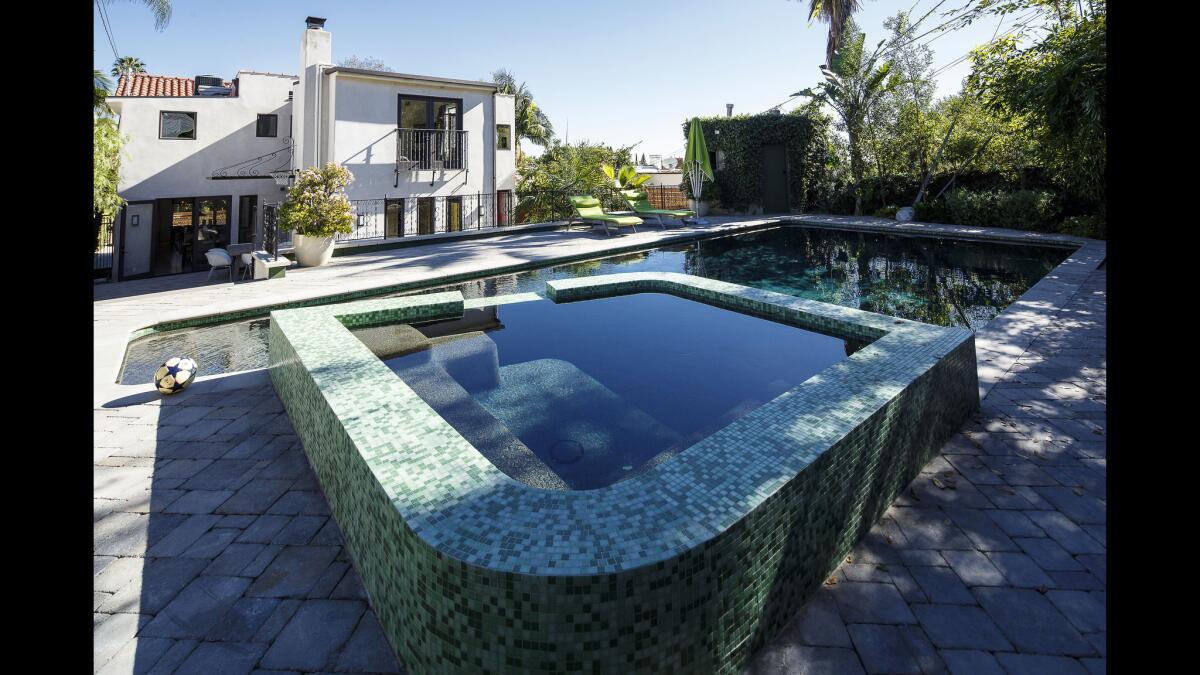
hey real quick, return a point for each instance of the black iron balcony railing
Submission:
(425, 149)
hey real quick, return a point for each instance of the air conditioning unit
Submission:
(209, 81)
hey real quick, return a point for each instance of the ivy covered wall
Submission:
(738, 186)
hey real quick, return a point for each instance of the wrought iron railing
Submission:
(395, 217)
(102, 258)
(425, 149)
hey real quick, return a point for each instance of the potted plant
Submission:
(317, 209)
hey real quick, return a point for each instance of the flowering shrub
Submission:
(316, 205)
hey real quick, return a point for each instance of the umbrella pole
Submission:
(697, 177)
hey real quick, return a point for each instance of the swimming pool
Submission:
(583, 395)
(688, 566)
(944, 282)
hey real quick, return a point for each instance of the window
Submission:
(503, 137)
(177, 125)
(268, 126)
(424, 112)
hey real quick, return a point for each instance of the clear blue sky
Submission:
(617, 72)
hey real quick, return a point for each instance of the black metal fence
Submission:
(102, 259)
(393, 218)
(425, 149)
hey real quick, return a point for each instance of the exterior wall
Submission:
(506, 160)
(155, 168)
(672, 178)
(362, 138)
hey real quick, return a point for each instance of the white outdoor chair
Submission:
(219, 258)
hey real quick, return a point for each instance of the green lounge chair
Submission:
(589, 211)
(641, 205)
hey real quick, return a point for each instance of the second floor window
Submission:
(503, 137)
(268, 126)
(177, 125)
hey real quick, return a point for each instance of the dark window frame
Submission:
(429, 101)
(258, 130)
(195, 125)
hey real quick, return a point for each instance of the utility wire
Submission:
(107, 29)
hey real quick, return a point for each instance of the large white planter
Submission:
(313, 251)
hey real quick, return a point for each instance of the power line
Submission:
(107, 29)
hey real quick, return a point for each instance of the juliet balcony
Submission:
(431, 149)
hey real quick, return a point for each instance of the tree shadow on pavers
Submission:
(211, 536)
(836, 501)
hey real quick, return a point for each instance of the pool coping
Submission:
(657, 514)
(998, 346)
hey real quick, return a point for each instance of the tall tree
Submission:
(835, 13)
(365, 63)
(161, 9)
(853, 86)
(128, 64)
(532, 124)
(100, 88)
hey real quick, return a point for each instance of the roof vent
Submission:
(315, 22)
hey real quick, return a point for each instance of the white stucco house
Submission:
(205, 156)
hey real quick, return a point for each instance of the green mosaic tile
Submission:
(688, 567)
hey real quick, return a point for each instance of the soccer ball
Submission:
(175, 374)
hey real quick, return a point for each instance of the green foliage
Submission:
(1083, 226)
(1015, 209)
(100, 87)
(532, 124)
(886, 212)
(106, 166)
(853, 86)
(544, 182)
(625, 178)
(128, 64)
(316, 204)
(804, 133)
(1057, 87)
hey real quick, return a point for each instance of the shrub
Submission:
(1083, 226)
(1017, 209)
(887, 212)
(316, 205)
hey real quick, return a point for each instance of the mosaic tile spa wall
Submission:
(689, 567)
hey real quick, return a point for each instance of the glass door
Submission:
(393, 217)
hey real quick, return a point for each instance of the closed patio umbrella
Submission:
(696, 161)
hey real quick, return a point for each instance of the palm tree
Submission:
(835, 13)
(852, 87)
(160, 8)
(532, 124)
(100, 86)
(128, 64)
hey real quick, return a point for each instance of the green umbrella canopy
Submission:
(697, 149)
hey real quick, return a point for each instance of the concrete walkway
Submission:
(215, 552)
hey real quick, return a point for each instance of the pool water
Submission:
(938, 281)
(583, 395)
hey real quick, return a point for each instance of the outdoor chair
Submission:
(641, 205)
(588, 209)
(219, 258)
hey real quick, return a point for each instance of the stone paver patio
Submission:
(215, 552)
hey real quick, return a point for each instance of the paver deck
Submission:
(215, 552)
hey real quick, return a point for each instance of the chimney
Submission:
(316, 53)
(729, 110)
